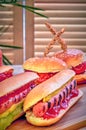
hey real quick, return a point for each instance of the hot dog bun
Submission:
(72, 57)
(16, 81)
(12, 94)
(5, 72)
(47, 87)
(5, 68)
(40, 122)
(81, 78)
(44, 89)
(44, 64)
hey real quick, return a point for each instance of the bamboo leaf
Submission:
(4, 29)
(2, 5)
(9, 46)
(31, 9)
(6, 61)
(27, 6)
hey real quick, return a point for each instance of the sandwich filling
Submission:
(10, 105)
(43, 76)
(5, 75)
(80, 73)
(50, 107)
(6, 101)
(81, 68)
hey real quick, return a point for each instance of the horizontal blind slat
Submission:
(61, 6)
(64, 14)
(61, 1)
(66, 20)
(48, 34)
(68, 27)
(67, 40)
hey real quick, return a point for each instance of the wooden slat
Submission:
(6, 41)
(68, 41)
(7, 35)
(61, 20)
(29, 46)
(61, 6)
(11, 22)
(40, 47)
(6, 15)
(64, 13)
(47, 34)
(68, 27)
(6, 30)
(61, 1)
(18, 34)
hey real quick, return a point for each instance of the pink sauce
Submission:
(5, 75)
(53, 112)
(43, 76)
(7, 100)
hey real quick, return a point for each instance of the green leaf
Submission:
(9, 46)
(4, 29)
(6, 61)
(31, 9)
(27, 6)
(2, 5)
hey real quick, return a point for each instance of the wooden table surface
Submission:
(74, 119)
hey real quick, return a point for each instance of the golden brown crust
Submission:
(80, 77)
(5, 68)
(44, 64)
(72, 57)
(47, 87)
(16, 81)
(41, 122)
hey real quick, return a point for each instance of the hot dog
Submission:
(5, 72)
(50, 100)
(12, 94)
(45, 67)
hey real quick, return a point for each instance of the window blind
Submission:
(6, 29)
(11, 32)
(67, 14)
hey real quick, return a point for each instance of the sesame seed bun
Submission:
(44, 64)
(72, 57)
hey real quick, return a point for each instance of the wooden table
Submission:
(74, 119)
